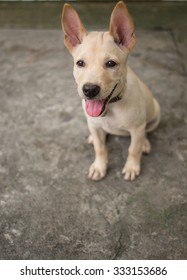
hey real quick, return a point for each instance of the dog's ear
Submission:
(72, 27)
(122, 27)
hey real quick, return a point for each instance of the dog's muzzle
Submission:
(97, 107)
(91, 90)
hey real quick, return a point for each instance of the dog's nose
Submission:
(91, 90)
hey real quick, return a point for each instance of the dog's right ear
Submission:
(72, 27)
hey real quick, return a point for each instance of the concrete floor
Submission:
(48, 207)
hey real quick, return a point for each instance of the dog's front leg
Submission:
(132, 166)
(98, 168)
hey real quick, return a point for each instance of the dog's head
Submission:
(99, 57)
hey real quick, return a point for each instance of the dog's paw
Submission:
(146, 146)
(96, 171)
(131, 171)
(90, 139)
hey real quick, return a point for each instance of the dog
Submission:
(114, 99)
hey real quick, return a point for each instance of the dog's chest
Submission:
(112, 124)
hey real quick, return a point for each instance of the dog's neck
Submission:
(113, 100)
(116, 98)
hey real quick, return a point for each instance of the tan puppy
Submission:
(114, 99)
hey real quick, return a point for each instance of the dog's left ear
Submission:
(122, 27)
(74, 30)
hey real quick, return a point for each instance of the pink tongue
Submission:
(94, 107)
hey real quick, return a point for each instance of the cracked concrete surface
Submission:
(48, 207)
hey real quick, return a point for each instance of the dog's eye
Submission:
(110, 64)
(80, 63)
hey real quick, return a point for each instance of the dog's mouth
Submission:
(96, 107)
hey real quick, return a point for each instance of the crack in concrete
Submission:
(119, 247)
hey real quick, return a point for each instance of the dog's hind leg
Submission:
(90, 139)
(156, 118)
(146, 146)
